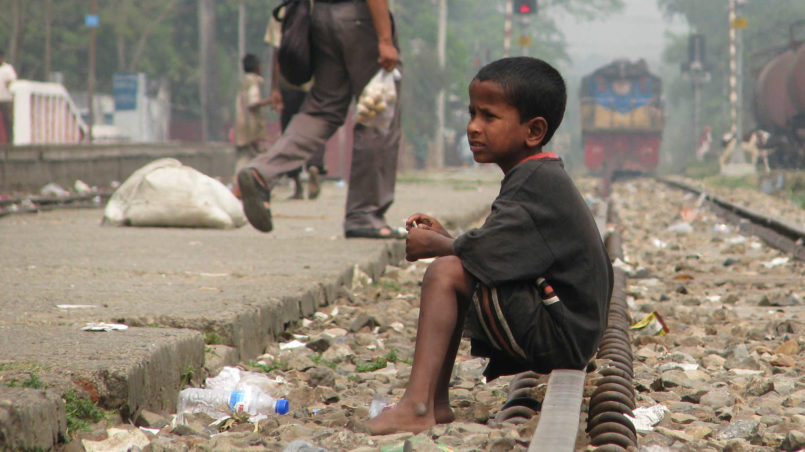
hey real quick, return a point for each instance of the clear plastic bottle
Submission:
(218, 402)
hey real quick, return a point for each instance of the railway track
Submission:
(721, 293)
(609, 397)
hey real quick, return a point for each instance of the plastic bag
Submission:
(232, 378)
(167, 193)
(376, 103)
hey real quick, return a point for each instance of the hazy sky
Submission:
(637, 32)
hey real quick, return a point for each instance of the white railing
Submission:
(45, 113)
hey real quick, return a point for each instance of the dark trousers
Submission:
(344, 52)
(292, 100)
(7, 113)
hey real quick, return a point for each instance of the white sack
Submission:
(166, 193)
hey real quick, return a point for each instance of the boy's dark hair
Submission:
(532, 86)
(250, 63)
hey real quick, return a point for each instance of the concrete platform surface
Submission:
(62, 269)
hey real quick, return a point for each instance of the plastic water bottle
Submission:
(218, 403)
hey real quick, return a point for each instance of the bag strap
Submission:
(276, 11)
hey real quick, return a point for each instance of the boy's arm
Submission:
(423, 243)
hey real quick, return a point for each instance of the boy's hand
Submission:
(424, 242)
(421, 220)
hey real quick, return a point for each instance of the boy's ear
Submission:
(537, 128)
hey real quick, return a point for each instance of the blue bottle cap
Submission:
(281, 407)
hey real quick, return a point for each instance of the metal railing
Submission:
(44, 113)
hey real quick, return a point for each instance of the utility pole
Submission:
(441, 42)
(695, 71)
(507, 28)
(736, 77)
(241, 31)
(208, 86)
(91, 22)
(48, 24)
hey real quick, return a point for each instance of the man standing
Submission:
(350, 41)
(7, 75)
(287, 99)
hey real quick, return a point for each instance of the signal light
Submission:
(525, 6)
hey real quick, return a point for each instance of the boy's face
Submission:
(495, 132)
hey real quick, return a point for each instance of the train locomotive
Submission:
(621, 118)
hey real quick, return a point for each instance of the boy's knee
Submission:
(446, 268)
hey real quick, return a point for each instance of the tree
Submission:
(766, 35)
(474, 38)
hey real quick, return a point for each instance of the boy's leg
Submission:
(445, 296)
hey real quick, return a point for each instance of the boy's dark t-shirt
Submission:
(541, 226)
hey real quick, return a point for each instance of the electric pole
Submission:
(208, 86)
(737, 22)
(695, 71)
(91, 22)
(241, 31)
(441, 42)
(507, 29)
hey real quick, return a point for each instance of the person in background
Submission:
(7, 75)
(286, 99)
(250, 127)
(351, 40)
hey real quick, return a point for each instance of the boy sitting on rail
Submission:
(534, 281)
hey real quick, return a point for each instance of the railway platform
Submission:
(179, 291)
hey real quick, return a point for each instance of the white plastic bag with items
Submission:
(376, 103)
(167, 193)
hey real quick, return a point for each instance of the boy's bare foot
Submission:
(443, 414)
(402, 418)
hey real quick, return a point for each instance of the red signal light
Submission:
(525, 7)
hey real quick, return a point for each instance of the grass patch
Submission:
(26, 366)
(266, 368)
(187, 375)
(388, 284)
(316, 358)
(81, 412)
(213, 338)
(799, 199)
(381, 362)
(749, 182)
(33, 382)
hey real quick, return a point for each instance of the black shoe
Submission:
(254, 195)
(313, 183)
(298, 193)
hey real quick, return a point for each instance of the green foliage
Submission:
(33, 382)
(381, 362)
(160, 38)
(187, 375)
(317, 359)
(266, 368)
(80, 412)
(766, 35)
(213, 338)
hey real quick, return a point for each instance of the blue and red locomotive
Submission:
(621, 118)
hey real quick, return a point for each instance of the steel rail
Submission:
(777, 232)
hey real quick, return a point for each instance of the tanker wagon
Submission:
(779, 107)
